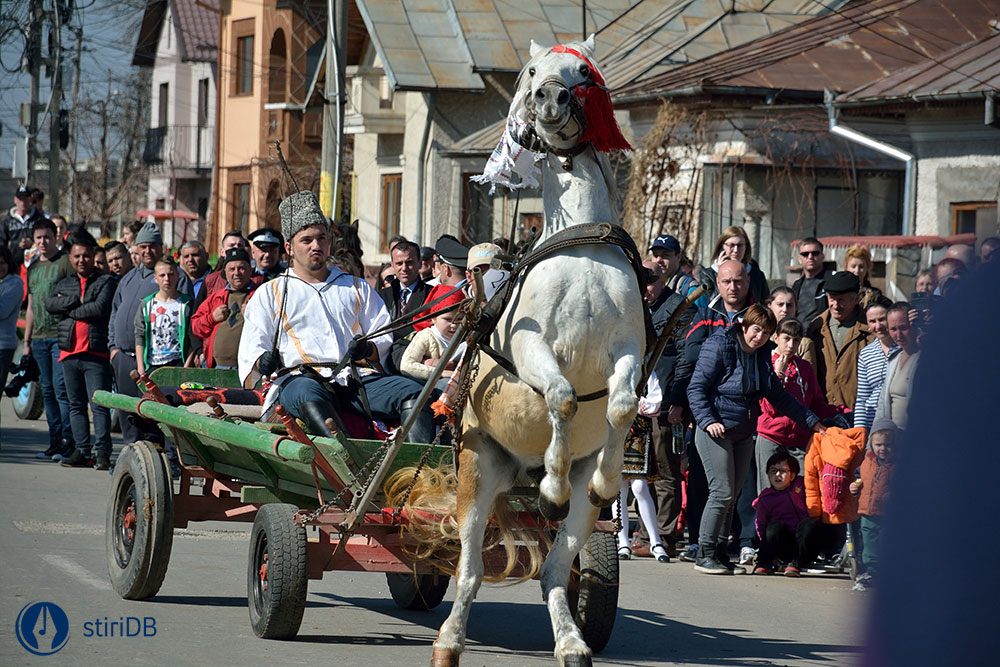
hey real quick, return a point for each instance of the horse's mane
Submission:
(345, 248)
(522, 89)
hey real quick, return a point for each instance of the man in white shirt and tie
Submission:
(408, 292)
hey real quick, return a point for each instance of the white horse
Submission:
(574, 326)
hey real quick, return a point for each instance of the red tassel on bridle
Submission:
(602, 129)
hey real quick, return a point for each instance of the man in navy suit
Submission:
(408, 292)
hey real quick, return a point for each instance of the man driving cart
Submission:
(324, 314)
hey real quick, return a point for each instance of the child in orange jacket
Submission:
(831, 464)
(872, 491)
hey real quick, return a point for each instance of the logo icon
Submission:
(42, 628)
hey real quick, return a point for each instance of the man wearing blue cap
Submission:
(16, 225)
(666, 253)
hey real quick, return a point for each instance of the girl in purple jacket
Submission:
(782, 519)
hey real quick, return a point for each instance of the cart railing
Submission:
(263, 454)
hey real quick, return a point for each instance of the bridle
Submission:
(528, 137)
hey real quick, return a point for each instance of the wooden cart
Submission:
(314, 503)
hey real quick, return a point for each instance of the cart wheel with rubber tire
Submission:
(418, 592)
(593, 589)
(139, 530)
(29, 404)
(277, 578)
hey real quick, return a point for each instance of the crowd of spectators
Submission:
(771, 420)
(791, 402)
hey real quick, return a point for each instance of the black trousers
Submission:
(135, 427)
(799, 547)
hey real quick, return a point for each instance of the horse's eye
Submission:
(531, 71)
(584, 71)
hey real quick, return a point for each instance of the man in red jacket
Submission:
(219, 319)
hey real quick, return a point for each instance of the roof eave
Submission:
(918, 99)
(726, 91)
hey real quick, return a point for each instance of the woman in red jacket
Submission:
(776, 432)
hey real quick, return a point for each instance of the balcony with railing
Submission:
(180, 146)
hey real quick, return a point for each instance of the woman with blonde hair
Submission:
(734, 243)
(858, 260)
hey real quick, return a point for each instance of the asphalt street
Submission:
(52, 549)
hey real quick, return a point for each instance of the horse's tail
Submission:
(432, 525)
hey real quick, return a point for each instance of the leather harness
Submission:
(576, 235)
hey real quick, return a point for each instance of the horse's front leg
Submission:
(622, 406)
(537, 366)
(484, 471)
(571, 650)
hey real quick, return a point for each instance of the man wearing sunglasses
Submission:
(809, 294)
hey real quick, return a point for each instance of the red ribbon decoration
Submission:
(602, 129)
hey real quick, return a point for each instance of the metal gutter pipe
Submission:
(424, 140)
(909, 159)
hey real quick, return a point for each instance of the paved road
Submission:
(52, 548)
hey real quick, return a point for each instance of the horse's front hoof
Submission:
(550, 510)
(576, 660)
(444, 658)
(596, 500)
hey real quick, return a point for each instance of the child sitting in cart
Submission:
(872, 491)
(426, 347)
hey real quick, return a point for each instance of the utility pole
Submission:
(55, 104)
(35, 67)
(73, 201)
(333, 117)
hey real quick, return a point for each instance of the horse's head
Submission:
(548, 83)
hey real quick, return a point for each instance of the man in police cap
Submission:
(452, 260)
(265, 250)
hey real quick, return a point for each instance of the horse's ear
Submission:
(590, 44)
(354, 223)
(535, 48)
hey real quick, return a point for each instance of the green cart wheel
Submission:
(139, 530)
(277, 578)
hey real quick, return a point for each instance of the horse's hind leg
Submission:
(484, 471)
(537, 365)
(570, 649)
(622, 406)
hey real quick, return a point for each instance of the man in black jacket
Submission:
(83, 302)
(662, 301)
(810, 298)
(16, 226)
(407, 293)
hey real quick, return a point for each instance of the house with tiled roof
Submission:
(769, 161)
(428, 85)
(949, 110)
(178, 41)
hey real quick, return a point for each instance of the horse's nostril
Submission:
(563, 97)
(540, 94)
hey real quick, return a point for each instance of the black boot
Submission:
(315, 414)
(423, 428)
(707, 561)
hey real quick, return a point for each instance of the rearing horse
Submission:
(574, 326)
